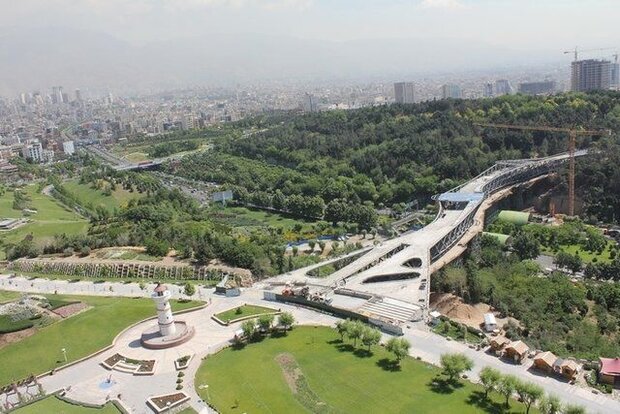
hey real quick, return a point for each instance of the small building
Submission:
(490, 324)
(435, 317)
(609, 372)
(499, 342)
(545, 361)
(567, 368)
(517, 351)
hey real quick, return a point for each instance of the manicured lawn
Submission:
(87, 195)
(585, 255)
(8, 296)
(81, 335)
(56, 406)
(52, 218)
(246, 310)
(336, 380)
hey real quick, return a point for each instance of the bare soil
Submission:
(70, 310)
(290, 370)
(454, 308)
(12, 337)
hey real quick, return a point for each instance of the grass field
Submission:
(244, 217)
(87, 195)
(7, 296)
(52, 218)
(585, 255)
(56, 406)
(335, 380)
(81, 335)
(246, 310)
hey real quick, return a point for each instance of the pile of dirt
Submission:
(453, 307)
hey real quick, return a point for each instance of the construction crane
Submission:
(576, 51)
(572, 139)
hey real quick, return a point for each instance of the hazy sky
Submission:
(518, 24)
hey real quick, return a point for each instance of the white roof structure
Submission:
(489, 319)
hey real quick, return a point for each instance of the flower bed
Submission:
(135, 366)
(113, 360)
(183, 362)
(160, 402)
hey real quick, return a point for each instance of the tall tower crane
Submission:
(572, 138)
(576, 51)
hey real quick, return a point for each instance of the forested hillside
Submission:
(392, 154)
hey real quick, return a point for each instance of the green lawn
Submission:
(336, 380)
(56, 406)
(81, 335)
(456, 333)
(585, 255)
(87, 195)
(244, 217)
(246, 310)
(8, 296)
(52, 218)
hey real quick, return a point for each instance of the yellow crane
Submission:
(572, 138)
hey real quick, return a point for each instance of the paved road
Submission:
(85, 378)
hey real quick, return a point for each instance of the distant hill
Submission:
(76, 58)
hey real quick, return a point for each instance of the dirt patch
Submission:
(71, 309)
(453, 307)
(290, 370)
(12, 337)
(300, 388)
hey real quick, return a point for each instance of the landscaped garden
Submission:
(243, 311)
(103, 197)
(51, 218)
(57, 406)
(310, 369)
(80, 335)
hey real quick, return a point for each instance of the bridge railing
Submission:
(520, 173)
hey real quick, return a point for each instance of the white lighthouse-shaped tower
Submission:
(161, 296)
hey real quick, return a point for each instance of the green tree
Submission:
(370, 337)
(455, 364)
(399, 347)
(574, 409)
(507, 386)
(189, 289)
(249, 328)
(526, 246)
(550, 404)
(355, 331)
(265, 322)
(529, 393)
(342, 327)
(286, 319)
(489, 377)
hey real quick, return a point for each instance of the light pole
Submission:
(168, 404)
(64, 353)
(205, 387)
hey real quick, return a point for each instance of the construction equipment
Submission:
(576, 51)
(572, 139)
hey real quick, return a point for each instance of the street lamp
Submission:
(64, 353)
(205, 387)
